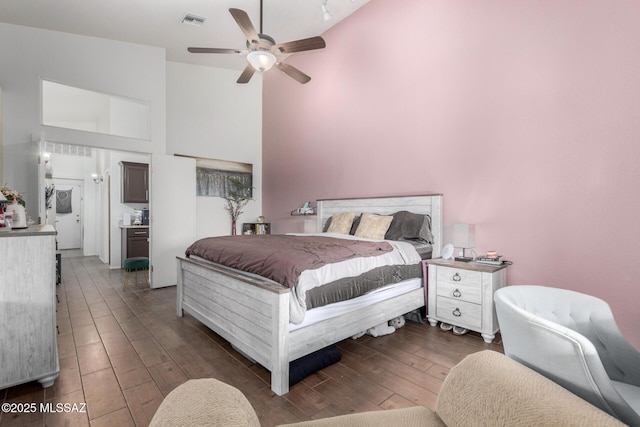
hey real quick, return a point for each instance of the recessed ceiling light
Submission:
(193, 20)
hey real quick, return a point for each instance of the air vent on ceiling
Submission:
(194, 20)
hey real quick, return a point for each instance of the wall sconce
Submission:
(462, 236)
(48, 169)
(96, 178)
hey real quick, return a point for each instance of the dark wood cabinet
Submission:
(135, 243)
(135, 182)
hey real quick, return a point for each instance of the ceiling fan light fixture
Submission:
(261, 60)
(326, 15)
(262, 50)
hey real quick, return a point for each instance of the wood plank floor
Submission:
(122, 352)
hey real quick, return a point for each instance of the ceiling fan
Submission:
(262, 50)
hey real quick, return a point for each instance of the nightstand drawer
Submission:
(460, 292)
(459, 313)
(459, 276)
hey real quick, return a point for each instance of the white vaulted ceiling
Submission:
(158, 22)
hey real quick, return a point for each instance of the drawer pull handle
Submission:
(456, 277)
(457, 293)
(139, 232)
(457, 312)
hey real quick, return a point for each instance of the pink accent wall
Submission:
(524, 115)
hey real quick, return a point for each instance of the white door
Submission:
(172, 209)
(67, 212)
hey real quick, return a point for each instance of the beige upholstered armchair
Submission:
(484, 389)
(572, 339)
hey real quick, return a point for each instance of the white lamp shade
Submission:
(261, 60)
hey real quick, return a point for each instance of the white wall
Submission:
(210, 115)
(196, 111)
(1, 179)
(27, 55)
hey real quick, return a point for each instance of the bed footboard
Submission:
(253, 315)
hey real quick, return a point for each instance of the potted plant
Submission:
(238, 196)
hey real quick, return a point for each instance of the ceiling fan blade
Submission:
(213, 50)
(243, 21)
(301, 45)
(293, 72)
(246, 74)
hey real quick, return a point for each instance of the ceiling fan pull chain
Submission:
(260, 16)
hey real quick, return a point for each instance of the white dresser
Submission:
(461, 294)
(28, 342)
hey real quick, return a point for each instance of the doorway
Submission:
(67, 212)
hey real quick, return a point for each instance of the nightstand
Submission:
(461, 294)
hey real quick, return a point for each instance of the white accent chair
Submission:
(572, 339)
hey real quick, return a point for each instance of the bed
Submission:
(252, 313)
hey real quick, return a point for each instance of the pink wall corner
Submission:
(523, 114)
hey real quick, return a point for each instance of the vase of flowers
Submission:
(13, 203)
(12, 195)
(238, 196)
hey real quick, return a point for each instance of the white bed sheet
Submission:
(325, 312)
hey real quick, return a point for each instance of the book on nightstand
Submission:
(489, 260)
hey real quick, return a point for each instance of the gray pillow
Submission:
(410, 226)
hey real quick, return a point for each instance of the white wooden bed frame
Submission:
(253, 315)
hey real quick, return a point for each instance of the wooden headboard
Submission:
(430, 204)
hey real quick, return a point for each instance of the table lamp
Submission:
(464, 237)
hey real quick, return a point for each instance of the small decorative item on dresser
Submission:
(11, 195)
(15, 210)
(19, 214)
(2, 201)
(7, 219)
